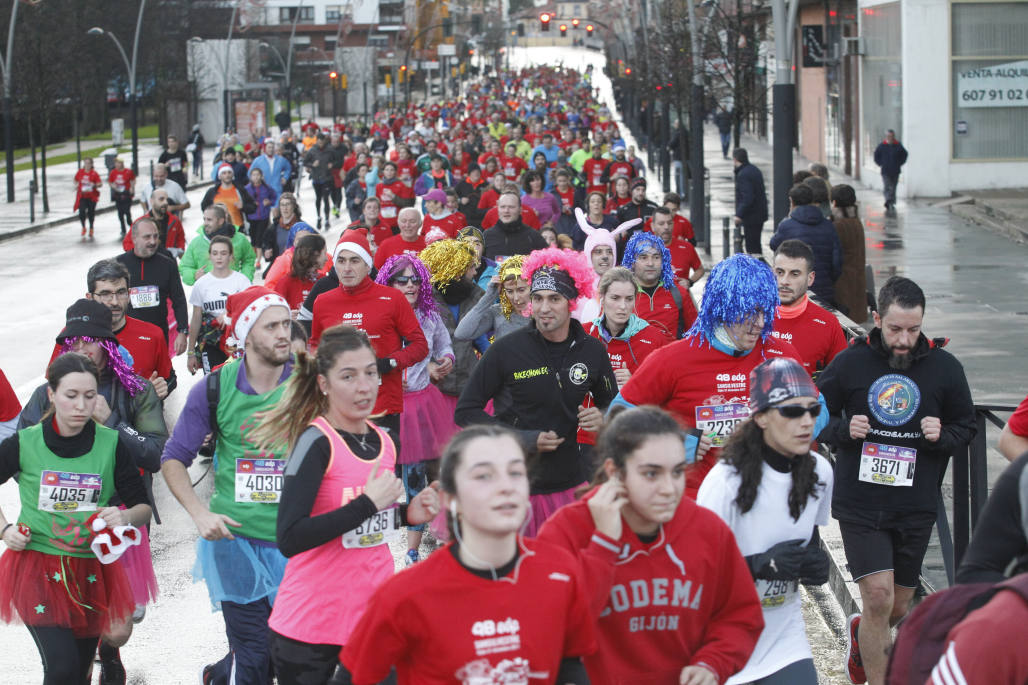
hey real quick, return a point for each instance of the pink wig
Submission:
(574, 263)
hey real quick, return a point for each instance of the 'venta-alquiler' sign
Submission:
(1000, 85)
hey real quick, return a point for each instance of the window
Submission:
(990, 80)
(332, 13)
(288, 14)
(882, 82)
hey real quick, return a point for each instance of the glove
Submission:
(814, 568)
(385, 365)
(781, 562)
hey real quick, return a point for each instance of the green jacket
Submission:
(197, 254)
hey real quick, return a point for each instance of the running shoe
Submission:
(411, 558)
(90, 234)
(854, 664)
(319, 223)
(335, 212)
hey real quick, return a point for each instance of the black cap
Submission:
(87, 318)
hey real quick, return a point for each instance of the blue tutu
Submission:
(240, 570)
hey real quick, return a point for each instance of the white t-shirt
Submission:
(784, 639)
(210, 293)
(176, 195)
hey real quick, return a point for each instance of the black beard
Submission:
(900, 362)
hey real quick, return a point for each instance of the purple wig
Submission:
(132, 383)
(424, 306)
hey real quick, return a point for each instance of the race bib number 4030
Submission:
(887, 464)
(63, 493)
(259, 480)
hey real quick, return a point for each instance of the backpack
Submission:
(213, 383)
(676, 295)
(921, 640)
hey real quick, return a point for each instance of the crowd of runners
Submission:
(600, 476)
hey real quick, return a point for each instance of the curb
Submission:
(991, 219)
(50, 223)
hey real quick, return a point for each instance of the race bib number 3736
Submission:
(259, 480)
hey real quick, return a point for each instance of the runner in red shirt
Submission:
(514, 609)
(409, 240)
(123, 189)
(406, 169)
(87, 194)
(10, 407)
(309, 257)
(682, 227)
(685, 261)
(662, 301)
(371, 222)
(438, 216)
(594, 169)
(1013, 441)
(703, 379)
(622, 196)
(672, 597)
(393, 193)
(810, 328)
(511, 164)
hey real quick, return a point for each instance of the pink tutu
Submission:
(426, 424)
(543, 507)
(138, 566)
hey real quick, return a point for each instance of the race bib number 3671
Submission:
(259, 480)
(63, 493)
(887, 464)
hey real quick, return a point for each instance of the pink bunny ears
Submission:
(595, 237)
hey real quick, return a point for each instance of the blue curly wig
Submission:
(736, 289)
(642, 240)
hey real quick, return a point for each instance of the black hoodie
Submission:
(507, 240)
(860, 381)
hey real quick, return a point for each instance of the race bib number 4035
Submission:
(63, 493)
(259, 480)
(887, 464)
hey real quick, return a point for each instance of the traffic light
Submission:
(402, 73)
(628, 71)
(574, 24)
(333, 78)
(589, 29)
(544, 20)
(563, 30)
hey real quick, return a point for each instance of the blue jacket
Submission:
(750, 196)
(890, 157)
(808, 224)
(276, 172)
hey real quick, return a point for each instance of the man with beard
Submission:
(238, 556)
(197, 261)
(899, 406)
(170, 232)
(662, 301)
(809, 327)
(178, 202)
(154, 281)
(510, 236)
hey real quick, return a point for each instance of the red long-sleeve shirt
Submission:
(386, 316)
(687, 598)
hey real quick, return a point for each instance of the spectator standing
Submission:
(750, 200)
(806, 223)
(851, 286)
(890, 156)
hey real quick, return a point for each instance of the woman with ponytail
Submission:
(490, 607)
(337, 513)
(773, 492)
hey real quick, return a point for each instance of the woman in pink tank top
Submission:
(338, 510)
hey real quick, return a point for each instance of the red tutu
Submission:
(426, 424)
(69, 592)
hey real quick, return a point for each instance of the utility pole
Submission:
(8, 66)
(784, 104)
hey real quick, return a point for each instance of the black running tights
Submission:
(66, 658)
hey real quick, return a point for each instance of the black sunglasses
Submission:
(404, 280)
(795, 411)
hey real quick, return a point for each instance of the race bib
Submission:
(144, 296)
(720, 420)
(63, 493)
(887, 464)
(119, 186)
(388, 212)
(87, 187)
(775, 594)
(259, 480)
(379, 529)
(174, 164)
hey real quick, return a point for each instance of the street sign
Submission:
(813, 46)
(445, 50)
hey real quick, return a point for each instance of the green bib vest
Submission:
(247, 480)
(58, 494)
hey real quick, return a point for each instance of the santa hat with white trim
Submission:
(355, 241)
(242, 310)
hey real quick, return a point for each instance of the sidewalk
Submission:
(60, 181)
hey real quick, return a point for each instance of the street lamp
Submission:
(285, 70)
(131, 67)
(8, 140)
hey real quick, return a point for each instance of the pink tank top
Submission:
(324, 590)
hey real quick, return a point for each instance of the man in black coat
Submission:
(750, 200)
(890, 155)
(510, 236)
(806, 223)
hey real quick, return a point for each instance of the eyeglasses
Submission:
(404, 280)
(795, 411)
(109, 294)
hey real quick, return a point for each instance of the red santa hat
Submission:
(244, 308)
(223, 166)
(355, 241)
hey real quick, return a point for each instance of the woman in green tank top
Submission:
(50, 580)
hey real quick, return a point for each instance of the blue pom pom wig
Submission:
(647, 241)
(737, 289)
